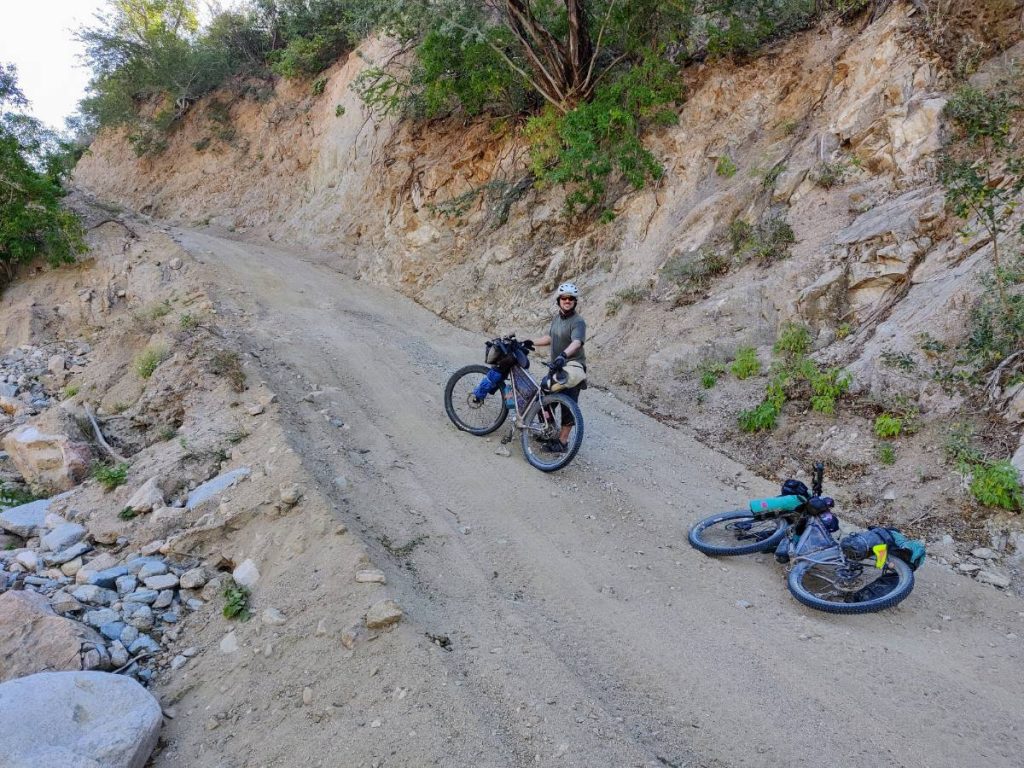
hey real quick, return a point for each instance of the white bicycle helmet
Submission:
(567, 289)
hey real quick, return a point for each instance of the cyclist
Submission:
(565, 336)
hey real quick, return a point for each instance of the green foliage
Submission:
(997, 485)
(767, 242)
(996, 328)
(959, 446)
(151, 357)
(886, 454)
(710, 372)
(746, 363)
(585, 148)
(110, 477)
(844, 330)
(763, 417)
(693, 270)
(887, 425)
(831, 174)
(902, 361)
(34, 164)
(827, 386)
(14, 497)
(236, 601)
(69, 391)
(188, 322)
(794, 340)
(127, 514)
(725, 167)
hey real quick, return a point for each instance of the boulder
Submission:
(79, 719)
(50, 462)
(34, 638)
(213, 488)
(63, 536)
(147, 498)
(24, 519)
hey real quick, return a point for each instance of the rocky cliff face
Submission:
(834, 132)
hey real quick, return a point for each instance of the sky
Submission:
(36, 36)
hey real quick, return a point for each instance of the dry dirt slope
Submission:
(584, 631)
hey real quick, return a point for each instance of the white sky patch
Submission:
(37, 37)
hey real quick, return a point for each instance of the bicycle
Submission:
(537, 418)
(860, 573)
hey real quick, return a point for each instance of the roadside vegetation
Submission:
(582, 80)
(34, 164)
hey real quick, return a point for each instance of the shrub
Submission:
(828, 175)
(758, 419)
(228, 364)
(710, 372)
(746, 363)
(997, 485)
(127, 514)
(767, 243)
(151, 357)
(887, 425)
(886, 454)
(693, 270)
(236, 601)
(69, 391)
(14, 497)
(725, 167)
(110, 477)
(959, 446)
(827, 386)
(794, 339)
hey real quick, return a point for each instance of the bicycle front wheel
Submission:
(540, 434)
(465, 411)
(850, 588)
(736, 533)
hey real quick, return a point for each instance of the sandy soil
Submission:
(582, 629)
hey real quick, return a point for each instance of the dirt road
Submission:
(584, 631)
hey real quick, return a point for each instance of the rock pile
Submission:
(30, 376)
(114, 612)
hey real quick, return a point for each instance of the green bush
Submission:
(794, 340)
(710, 372)
(887, 425)
(767, 242)
(34, 164)
(828, 386)
(886, 454)
(746, 363)
(693, 270)
(763, 417)
(151, 357)
(236, 601)
(997, 485)
(110, 477)
(725, 167)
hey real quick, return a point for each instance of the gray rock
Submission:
(141, 619)
(994, 578)
(118, 654)
(136, 564)
(77, 720)
(108, 577)
(126, 584)
(193, 579)
(166, 581)
(147, 596)
(164, 599)
(113, 630)
(144, 643)
(179, 661)
(273, 617)
(194, 604)
(216, 486)
(246, 574)
(63, 536)
(67, 555)
(90, 593)
(62, 602)
(129, 635)
(171, 617)
(152, 568)
(148, 497)
(101, 617)
(23, 520)
(984, 553)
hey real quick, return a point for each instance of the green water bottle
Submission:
(774, 505)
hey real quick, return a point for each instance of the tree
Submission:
(34, 162)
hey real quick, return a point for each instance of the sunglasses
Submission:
(567, 298)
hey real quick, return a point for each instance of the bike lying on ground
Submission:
(539, 412)
(860, 573)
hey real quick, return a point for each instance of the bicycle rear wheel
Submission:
(466, 413)
(540, 433)
(736, 533)
(851, 588)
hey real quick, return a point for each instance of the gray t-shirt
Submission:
(565, 330)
